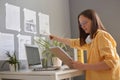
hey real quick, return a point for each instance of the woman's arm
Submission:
(60, 39)
(98, 66)
(73, 43)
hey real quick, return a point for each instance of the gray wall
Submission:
(58, 10)
(108, 10)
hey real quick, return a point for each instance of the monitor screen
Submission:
(33, 55)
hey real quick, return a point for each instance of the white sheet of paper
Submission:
(30, 21)
(23, 39)
(44, 26)
(12, 17)
(6, 44)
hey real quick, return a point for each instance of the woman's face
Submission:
(85, 23)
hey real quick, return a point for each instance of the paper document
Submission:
(60, 53)
(12, 17)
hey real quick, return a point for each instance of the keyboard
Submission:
(45, 69)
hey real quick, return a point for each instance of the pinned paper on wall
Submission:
(6, 44)
(44, 26)
(12, 17)
(23, 39)
(30, 21)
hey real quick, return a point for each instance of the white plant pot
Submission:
(56, 62)
(12, 67)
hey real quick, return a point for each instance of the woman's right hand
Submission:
(51, 37)
(59, 39)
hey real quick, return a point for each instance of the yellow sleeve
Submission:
(75, 43)
(107, 49)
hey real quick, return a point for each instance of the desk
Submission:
(40, 75)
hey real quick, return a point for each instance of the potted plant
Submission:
(13, 62)
(47, 54)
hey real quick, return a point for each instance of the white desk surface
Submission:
(60, 74)
(28, 72)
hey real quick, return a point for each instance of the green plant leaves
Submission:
(12, 59)
(46, 44)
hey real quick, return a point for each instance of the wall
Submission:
(58, 10)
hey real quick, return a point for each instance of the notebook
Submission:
(61, 54)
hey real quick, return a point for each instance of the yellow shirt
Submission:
(102, 48)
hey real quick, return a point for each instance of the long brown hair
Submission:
(96, 24)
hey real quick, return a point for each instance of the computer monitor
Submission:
(33, 56)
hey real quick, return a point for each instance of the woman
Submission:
(102, 58)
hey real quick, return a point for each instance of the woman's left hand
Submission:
(78, 65)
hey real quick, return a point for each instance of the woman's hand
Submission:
(78, 65)
(60, 39)
(51, 37)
